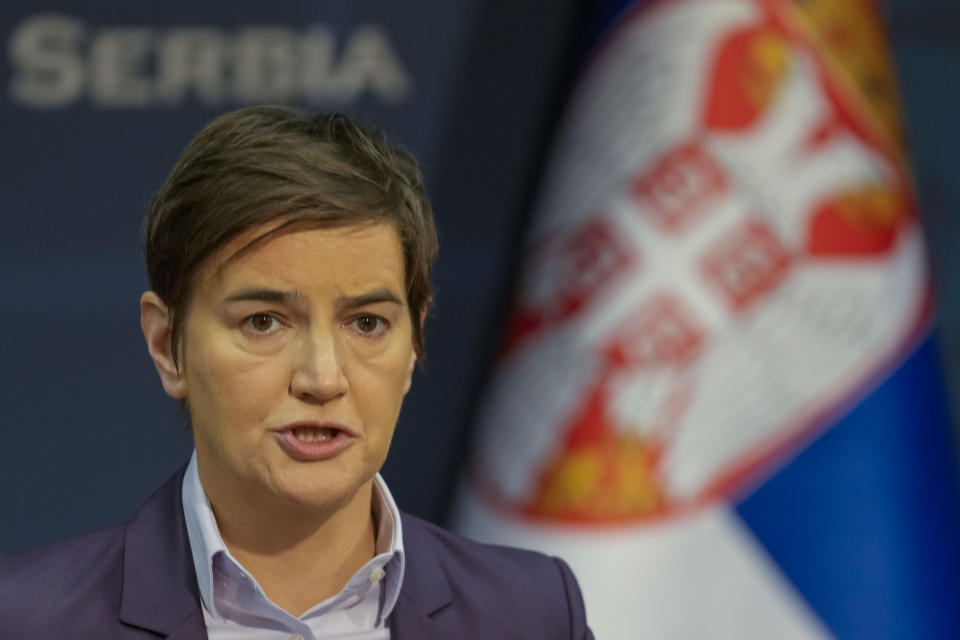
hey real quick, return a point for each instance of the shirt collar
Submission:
(206, 542)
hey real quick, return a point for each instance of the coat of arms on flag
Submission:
(725, 255)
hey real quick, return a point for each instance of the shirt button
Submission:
(377, 575)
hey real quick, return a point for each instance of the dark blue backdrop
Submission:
(96, 103)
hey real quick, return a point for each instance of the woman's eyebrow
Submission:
(262, 294)
(373, 297)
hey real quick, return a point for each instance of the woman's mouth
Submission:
(313, 442)
(314, 434)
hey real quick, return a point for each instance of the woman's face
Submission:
(297, 354)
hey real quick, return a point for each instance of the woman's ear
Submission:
(413, 363)
(413, 356)
(157, 325)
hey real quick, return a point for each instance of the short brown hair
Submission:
(260, 164)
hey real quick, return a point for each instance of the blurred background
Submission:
(98, 100)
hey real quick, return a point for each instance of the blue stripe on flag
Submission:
(866, 521)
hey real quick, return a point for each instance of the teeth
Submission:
(313, 434)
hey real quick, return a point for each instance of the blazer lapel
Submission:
(408, 621)
(192, 627)
(159, 591)
(425, 590)
(160, 594)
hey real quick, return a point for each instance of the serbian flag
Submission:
(716, 396)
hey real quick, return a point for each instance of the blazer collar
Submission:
(425, 589)
(159, 591)
(160, 594)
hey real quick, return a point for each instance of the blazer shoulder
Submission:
(62, 584)
(527, 589)
(481, 560)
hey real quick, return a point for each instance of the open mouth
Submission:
(311, 442)
(314, 434)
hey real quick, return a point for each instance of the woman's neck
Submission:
(299, 556)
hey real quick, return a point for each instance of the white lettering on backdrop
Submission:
(58, 61)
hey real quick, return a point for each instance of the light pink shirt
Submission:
(236, 608)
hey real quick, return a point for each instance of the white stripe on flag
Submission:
(695, 576)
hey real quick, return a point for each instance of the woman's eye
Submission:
(369, 324)
(262, 323)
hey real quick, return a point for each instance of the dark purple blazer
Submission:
(136, 581)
